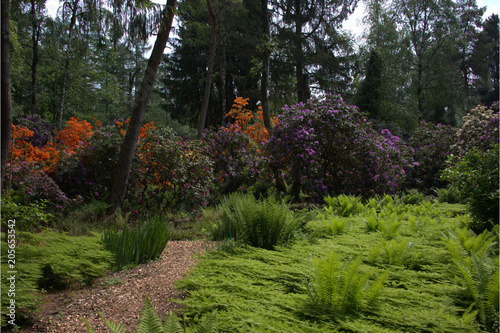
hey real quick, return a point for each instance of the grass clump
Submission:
(133, 246)
(263, 223)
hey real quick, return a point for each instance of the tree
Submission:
(5, 88)
(369, 95)
(303, 28)
(469, 19)
(485, 63)
(210, 69)
(127, 151)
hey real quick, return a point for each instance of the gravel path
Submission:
(119, 296)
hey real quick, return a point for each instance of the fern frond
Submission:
(89, 328)
(482, 270)
(490, 303)
(351, 284)
(171, 324)
(149, 322)
(326, 277)
(113, 327)
(375, 289)
(209, 325)
(467, 275)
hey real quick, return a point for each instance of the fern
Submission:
(344, 205)
(350, 285)
(477, 270)
(113, 327)
(342, 287)
(171, 324)
(149, 322)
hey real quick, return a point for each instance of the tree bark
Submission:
(127, 151)
(223, 71)
(5, 87)
(131, 81)
(211, 60)
(34, 66)
(266, 60)
(72, 24)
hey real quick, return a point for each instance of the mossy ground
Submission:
(256, 290)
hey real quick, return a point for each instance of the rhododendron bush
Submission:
(479, 130)
(328, 147)
(431, 144)
(170, 172)
(236, 160)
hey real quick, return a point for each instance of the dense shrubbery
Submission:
(480, 130)
(476, 175)
(43, 132)
(90, 172)
(431, 145)
(328, 147)
(170, 172)
(29, 184)
(236, 160)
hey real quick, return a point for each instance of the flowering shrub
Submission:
(30, 184)
(326, 147)
(480, 130)
(244, 121)
(235, 159)
(431, 144)
(43, 131)
(476, 175)
(66, 143)
(170, 172)
(90, 172)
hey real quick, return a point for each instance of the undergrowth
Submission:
(395, 274)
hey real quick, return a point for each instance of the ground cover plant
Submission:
(359, 280)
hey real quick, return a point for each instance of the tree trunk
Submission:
(127, 151)
(34, 66)
(66, 65)
(131, 81)
(5, 87)
(266, 60)
(211, 60)
(223, 71)
(303, 93)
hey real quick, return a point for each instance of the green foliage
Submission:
(341, 287)
(263, 223)
(137, 245)
(395, 253)
(149, 322)
(344, 205)
(450, 195)
(27, 272)
(413, 197)
(29, 216)
(49, 260)
(66, 260)
(479, 130)
(335, 225)
(471, 255)
(477, 175)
